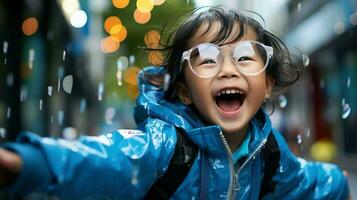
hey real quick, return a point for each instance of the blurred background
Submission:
(68, 68)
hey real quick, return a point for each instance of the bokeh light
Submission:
(158, 2)
(145, 6)
(110, 22)
(156, 58)
(140, 17)
(78, 18)
(120, 3)
(131, 75)
(323, 150)
(30, 26)
(118, 33)
(152, 39)
(108, 45)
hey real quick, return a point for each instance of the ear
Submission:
(182, 93)
(269, 87)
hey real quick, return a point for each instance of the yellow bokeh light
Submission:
(152, 39)
(158, 2)
(30, 26)
(156, 58)
(145, 6)
(108, 45)
(131, 75)
(141, 18)
(323, 150)
(133, 91)
(110, 22)
(120, 3)
(120, 35)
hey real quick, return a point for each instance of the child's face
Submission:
(234, 112)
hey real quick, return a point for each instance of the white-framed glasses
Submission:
(206, 59)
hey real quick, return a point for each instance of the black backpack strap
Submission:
(271, 154)
(180, 164)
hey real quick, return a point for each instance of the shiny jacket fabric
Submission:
(125, 163)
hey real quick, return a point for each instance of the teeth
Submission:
(229, 91)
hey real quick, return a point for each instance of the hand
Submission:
(10, 166)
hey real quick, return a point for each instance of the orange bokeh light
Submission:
(156, 58)
(108, 45)
(152, 39)
(131, 75)
(120, 3)
(141, 18)
(145, 6)
(30, 26)
(110, 22)
(120, 34)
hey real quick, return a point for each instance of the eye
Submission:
(208, 61)
(243, 58)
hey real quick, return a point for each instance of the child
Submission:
(223, 65)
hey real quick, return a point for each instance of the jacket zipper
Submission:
(232, 182)
(252, 156)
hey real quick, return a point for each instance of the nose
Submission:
(228, 68)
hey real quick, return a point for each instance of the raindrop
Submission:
(5, 60)
(41, 102)
(283, 101)
(306, 60)
(299, 139)
(119, 76)
(299, 7)
(58, 84)
(23, 93)
(131, 59)
(166, 81)
(31, 58)
(64, 56)
(49, 90)
(134, 178)
(348, 82)
(281, 169)
(83, 105)
(2, 132)
(10, 79)
(60, 117)
(5, 47)
(109, 115)
(51, 119)
(68, 84)
(69, 133)
(8, 112)
(346, 110)
(307, 132)
(100, 91)
(122, 63)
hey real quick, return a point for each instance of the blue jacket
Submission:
(125, 163)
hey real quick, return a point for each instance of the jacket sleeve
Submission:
(297, 178)
(124, 163)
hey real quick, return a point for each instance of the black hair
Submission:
(280, 68)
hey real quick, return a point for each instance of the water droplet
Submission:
(60, 117)
(134, 178)
(283, 101)
(2, 132)
(8, 112)
(68, 84)
(64, 56)
(5, 47)
(10, 79)
(83, 105)
(51, 119)
(307, 132)
(109, 115)
(346, 110)
(281, 169)
(100, 91)
(49, 90)
(5, 60)
(69, 133)
(122, 63)
(299, 7)
(306, 60)
(119, 76)
(58, 84)
(41, 102)
(31, 58)
(23, 93)
(299, 139)
(348, 82)
(131, 59)
(166, 81)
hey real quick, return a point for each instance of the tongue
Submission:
(229, 105)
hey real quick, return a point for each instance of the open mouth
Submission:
(230, 100)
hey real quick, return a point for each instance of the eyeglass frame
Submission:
(186, 57)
